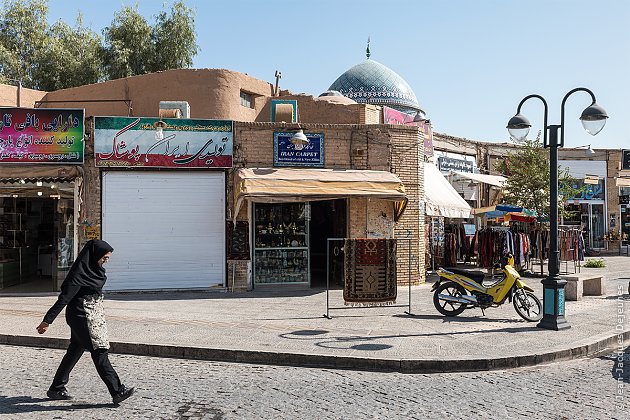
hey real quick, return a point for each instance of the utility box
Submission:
(182, 106)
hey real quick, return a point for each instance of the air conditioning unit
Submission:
(170, 108)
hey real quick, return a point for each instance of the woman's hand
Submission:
(41, 328)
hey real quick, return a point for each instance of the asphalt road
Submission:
(596, 388)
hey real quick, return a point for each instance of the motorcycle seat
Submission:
(477, 276)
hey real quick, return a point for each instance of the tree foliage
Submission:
(23, 36)
(71, 58)
(174, 38)
(128, 47)
(528, 179)
(58, 56)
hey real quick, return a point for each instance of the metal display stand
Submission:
(328, 307)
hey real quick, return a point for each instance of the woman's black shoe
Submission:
(123, 394)
(58, 395)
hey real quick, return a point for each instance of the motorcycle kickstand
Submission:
(483, 313)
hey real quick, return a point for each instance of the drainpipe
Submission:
(19, 91)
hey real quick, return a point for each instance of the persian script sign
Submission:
(449, 164)
(183, 143)
(41, 135)
(393, 116)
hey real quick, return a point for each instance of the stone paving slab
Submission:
(289, 329)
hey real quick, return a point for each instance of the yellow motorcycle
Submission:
(457, 290)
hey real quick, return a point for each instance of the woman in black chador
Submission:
(82, 293)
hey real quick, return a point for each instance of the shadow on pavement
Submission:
(334, 342)
(26, 404)
(371, 347)
(459, 319)
(620, 370)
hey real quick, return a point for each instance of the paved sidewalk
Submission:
(289, 329)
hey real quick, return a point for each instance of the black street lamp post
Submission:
(593, 119)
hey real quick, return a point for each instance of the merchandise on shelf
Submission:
(281, 243)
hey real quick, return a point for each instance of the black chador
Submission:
(82, 295)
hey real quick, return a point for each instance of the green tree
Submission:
(128, 47)
(528, 179)
(23, 36)
(132, 46)
(72, 57)
(51, 57)
(175, 39)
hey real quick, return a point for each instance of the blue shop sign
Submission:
(590, 192)
(285, 154)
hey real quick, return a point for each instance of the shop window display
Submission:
(13, 237)
(281, 243)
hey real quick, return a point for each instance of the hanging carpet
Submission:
(370, 272)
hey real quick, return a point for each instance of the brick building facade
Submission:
(355, 138)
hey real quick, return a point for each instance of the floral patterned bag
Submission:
(97, 327)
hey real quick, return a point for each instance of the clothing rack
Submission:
(448, 243)
(539, 239)
(492, 243)
(571, 247)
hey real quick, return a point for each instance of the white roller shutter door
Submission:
(167, 229)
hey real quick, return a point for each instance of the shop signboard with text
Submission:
(33, 135)
(393, 116)
(589, 191)
(180, 143)
(286, 154)
(447, 164)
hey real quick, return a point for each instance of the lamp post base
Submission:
(553, 304)
(554, 323)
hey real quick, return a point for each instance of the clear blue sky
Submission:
(469, 62)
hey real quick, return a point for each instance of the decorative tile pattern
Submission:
(374, 83)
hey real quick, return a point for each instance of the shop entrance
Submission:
(590, 218)
(328, 220)
(37, 234)
(624, 213)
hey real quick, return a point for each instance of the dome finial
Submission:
(367, 50)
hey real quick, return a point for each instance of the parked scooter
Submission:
(458, 290)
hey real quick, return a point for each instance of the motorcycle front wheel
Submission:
(447, 308)
(527, 305)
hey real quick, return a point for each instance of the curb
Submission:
(333, 362)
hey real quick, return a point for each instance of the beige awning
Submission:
(440, 196)
(278, 185)
(494, 180)
(623, 182)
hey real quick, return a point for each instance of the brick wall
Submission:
(90, 213)
(397, 149)
(407, 163)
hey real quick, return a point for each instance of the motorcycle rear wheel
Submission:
(527, 305)
(449, 308)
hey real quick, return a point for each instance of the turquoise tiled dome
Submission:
(371, 82)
